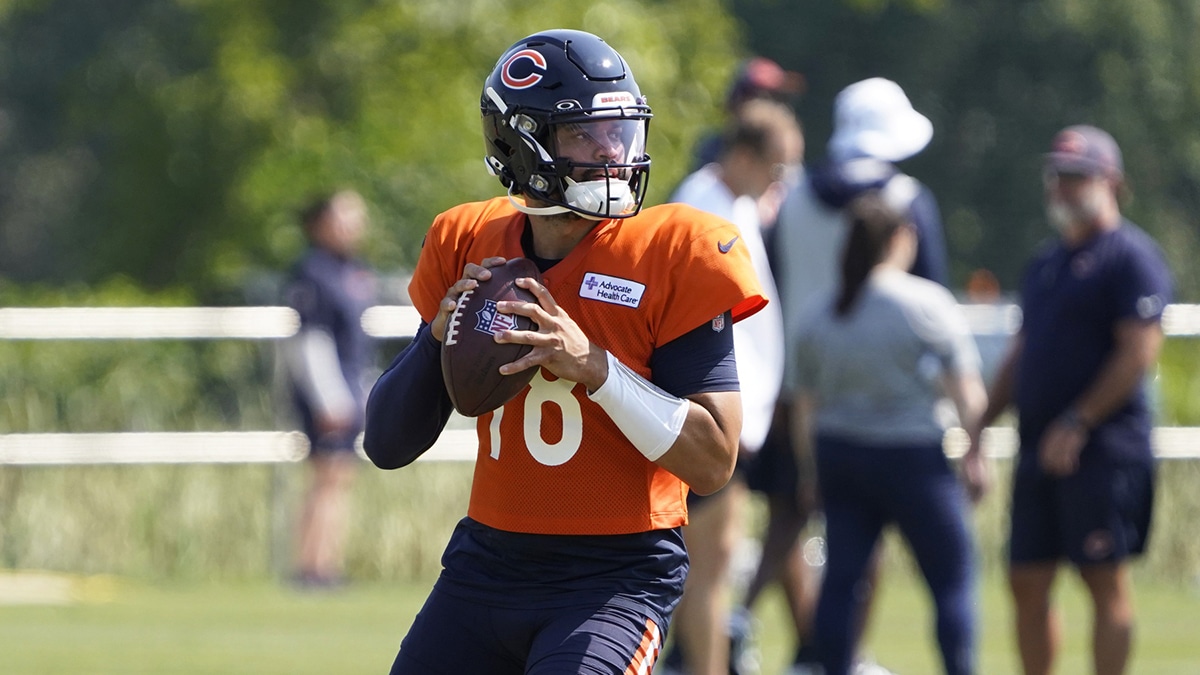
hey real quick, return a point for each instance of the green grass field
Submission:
(125, 627)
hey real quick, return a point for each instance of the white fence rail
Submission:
(384, 321)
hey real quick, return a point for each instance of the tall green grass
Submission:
(218, 522)
(233, 522)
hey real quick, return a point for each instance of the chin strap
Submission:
(604, 198)
(534, 210)
(593, 199)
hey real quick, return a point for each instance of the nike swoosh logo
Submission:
(724, 247)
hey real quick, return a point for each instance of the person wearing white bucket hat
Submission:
(874, 118)
(875, 125)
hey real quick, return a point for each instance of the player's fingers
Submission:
(526, 337)
(481, 272)
(540, 355)
(494, 261)
(447, 305)
(454, 293)
(533, 311)
(523, 363)
(539, 291)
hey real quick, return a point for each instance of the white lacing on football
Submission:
(453, 321)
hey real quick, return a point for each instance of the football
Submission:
(471, 358)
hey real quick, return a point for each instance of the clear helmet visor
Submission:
(590, 145)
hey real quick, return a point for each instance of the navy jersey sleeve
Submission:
(1142, 282)
(408, 407)
(697, 362)
(930, 262)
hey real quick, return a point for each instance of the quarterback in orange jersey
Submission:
(570, 558)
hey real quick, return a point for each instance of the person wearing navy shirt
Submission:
(327, 361)
(1083, 486)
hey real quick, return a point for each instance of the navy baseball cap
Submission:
(1084, 149)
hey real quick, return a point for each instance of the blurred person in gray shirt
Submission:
(874, 126)
(873, 359)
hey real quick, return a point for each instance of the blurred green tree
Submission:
(172, 141)
(999, 78)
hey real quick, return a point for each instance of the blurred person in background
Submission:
(761, 145)
(757, 79)
(1083, 485)
(874, 127)
(874, 358)
(328, 360)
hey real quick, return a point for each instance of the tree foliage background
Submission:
(172, 141)
(999, 78)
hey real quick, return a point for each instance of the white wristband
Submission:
(649, 417)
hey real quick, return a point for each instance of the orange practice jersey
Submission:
(551, 461)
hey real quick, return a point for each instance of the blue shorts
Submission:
(1099, 514)
(773, 470)
(509, 603)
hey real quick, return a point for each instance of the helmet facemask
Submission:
(588, 161)
(601, 162)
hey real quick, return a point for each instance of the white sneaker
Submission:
(870, 668)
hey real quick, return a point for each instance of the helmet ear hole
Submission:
(497, 169)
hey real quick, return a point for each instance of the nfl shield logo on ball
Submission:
(489, 320)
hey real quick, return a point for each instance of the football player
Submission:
(570, 557)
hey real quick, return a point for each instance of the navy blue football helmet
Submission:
(565, 124)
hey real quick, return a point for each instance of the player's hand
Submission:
(472, 275)
(976, 469)
(977, 475)
(1058, 453)
(559, 344)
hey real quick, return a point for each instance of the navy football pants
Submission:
(605, 639)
